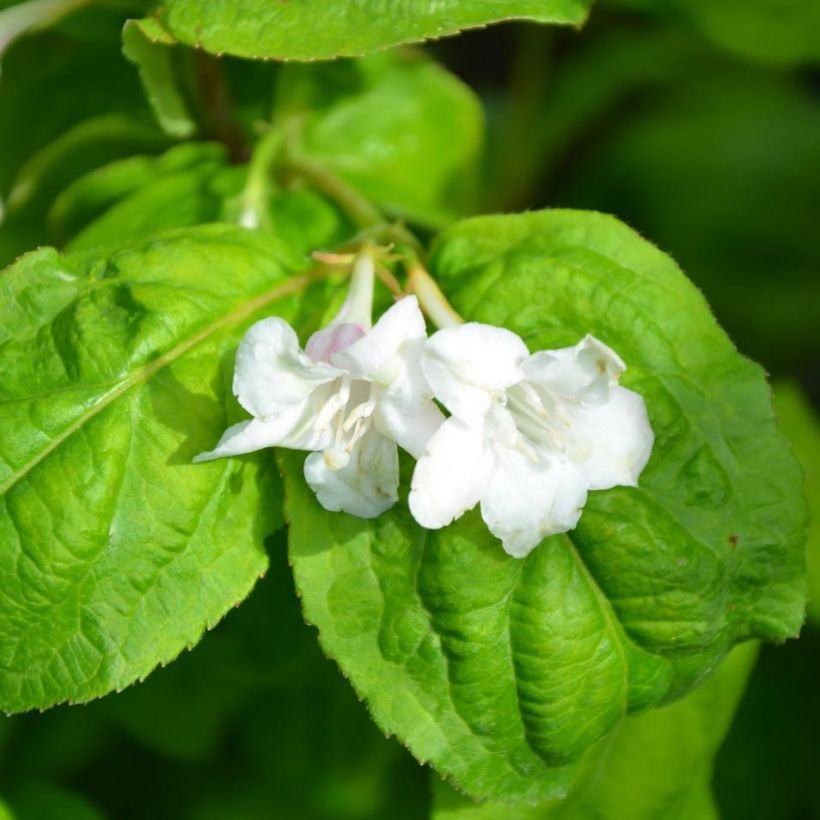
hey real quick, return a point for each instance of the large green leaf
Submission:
(656, 765)
(397, 127)
(115, 551)
(503, 672)
(311, 29)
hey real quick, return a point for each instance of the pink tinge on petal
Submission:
(332, 339)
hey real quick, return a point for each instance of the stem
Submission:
(386, 276)
(361, 211)
(217, 107)
(433, 302)
(254, 199)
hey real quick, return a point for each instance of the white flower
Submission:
(529, 435)
(349, 397)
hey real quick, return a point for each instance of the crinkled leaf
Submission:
(802, 428)
(655, 765)
(116, 551)
(320, 29)
(146, 44)
(503, 672)
(398, 127)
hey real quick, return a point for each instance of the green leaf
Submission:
(503, 672)
(84, 146)
(802, 427)
(145, 44)
(782, 32)
(5, 813)
(656, 765)
(93, 194)
(178, 194)
(117, 552)
(397, 127)
(321, 29)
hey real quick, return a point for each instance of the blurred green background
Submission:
(704, 136)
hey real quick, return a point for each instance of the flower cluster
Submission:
(526, 435)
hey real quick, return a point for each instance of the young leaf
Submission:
(656, 765)
(321, 29)
(397, 127)
(117, 552)
(145, 43)
(503, 672)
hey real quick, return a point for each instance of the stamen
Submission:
(338, 399)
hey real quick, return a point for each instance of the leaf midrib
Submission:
(145, 372)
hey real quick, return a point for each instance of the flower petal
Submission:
(452, 474)
(585, 372)
(366, 486)
(526, 501)
(410, 425)
(291, 428)
(271, 370)
(465, 365)
(328, 341)
(390, 348)
(619, 439)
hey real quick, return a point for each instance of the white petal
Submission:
(584, 372)
(291, 428)
(467, 364)
(366, 486)
(527, 501)
(328, 341)
(271, 370)
(410, 425)
(619, 439)
(374, 356)
(452, 474)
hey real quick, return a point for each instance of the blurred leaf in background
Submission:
(773, 31)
